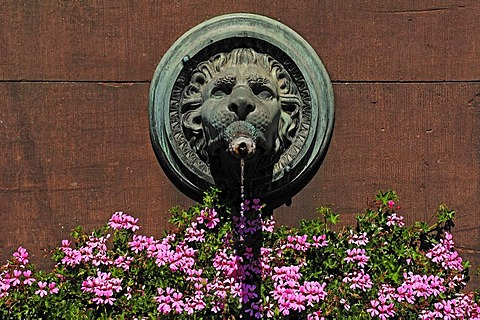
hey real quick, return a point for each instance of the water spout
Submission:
(242, 147)
(241, 138)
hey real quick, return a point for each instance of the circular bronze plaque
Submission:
(303, 96)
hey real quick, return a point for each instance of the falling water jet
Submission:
(242, 138)
(242, 179)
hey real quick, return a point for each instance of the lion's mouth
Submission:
(240, 139)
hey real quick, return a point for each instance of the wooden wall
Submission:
(74, 139)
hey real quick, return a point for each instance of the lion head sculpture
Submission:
(241, 95)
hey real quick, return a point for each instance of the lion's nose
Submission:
(241, 102)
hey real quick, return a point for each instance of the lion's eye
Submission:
(261, 91)
(265, 94)
(221, 92)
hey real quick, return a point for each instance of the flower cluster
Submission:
(103, 286)
(223, 262)
(357, 256)
(120, 220)
(15, 276)
(358, 280)
(462, 307)
(413, 288)
(95, 251)
(444, 254)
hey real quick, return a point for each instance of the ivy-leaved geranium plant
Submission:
(227, 263)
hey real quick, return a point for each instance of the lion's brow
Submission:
(226, 80)
(257, 80)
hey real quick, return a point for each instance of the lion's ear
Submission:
(195, 86)
(192, 120)
(283, 81)
(292, 128)
(193, 130)
(289, 126)
(289, 121)
(291, 105)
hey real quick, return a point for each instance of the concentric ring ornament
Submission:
(184, 161)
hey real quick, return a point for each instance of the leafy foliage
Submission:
(219, 262)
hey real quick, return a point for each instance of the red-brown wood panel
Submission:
(122, 40)
(73, 153)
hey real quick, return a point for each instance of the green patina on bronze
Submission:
(241, 86)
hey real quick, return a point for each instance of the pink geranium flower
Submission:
(41, 291)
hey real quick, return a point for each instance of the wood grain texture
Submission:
(122, 40)
(72, 154)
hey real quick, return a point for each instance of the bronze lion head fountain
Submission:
(240, 105)
(241, 100)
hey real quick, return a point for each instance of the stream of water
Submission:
(242, 181)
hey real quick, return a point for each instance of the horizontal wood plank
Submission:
(426, 40)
